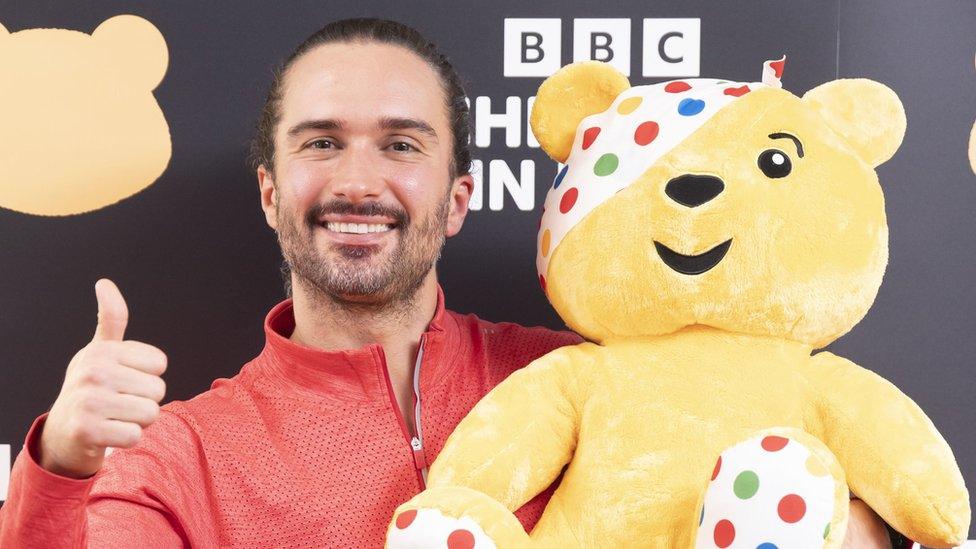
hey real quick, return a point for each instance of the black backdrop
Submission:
(199, 267)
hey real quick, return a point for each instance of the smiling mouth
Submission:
(692, 264)
(358, 228)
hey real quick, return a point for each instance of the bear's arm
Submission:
(893, 456)
(516, 440)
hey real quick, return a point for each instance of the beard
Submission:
(363, 275)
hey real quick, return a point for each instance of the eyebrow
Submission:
(781, 135)
(393, 123)
(326, 124)
(387, 123)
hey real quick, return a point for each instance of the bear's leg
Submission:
(781, 488)
(456, 518)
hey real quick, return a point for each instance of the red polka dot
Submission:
(568, 200)
(718, 465)
(646, 133)
(460, 539)
(792, 508)
(774, 443)
(542, 282)
(737, 92)
(677, 87)
(405, 518)
(724, 533)
(589, 136)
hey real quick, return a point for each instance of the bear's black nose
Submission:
(694, 190)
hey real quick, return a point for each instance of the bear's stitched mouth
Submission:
(692, 264)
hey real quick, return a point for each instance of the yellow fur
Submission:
(682, 367)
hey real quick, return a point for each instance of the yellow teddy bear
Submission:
(80, 127)
(706, 237)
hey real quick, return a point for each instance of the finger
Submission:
(130, 381)
(130, 408)
(142, 356)
(113, 314)
(119, 434)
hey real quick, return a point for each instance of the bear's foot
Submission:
(781, 488)
(456, 518)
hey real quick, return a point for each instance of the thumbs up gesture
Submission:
(111, 392)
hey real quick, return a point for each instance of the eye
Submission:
(401, 146)
(775, 164)
(320, 144)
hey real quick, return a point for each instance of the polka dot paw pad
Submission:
(768, 492)
(423, 528)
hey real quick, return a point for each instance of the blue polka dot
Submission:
(767, 545)
(690, 107)
(559, 177)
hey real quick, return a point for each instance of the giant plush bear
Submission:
(707, 237)
(79, 126)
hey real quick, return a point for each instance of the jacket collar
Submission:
(357, 374)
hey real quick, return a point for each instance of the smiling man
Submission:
(362, 161)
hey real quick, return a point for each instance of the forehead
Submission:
(360, 82)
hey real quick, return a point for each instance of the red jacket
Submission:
(303, 447)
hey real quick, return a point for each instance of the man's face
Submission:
(362, 195)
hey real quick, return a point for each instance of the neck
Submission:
(325, 322)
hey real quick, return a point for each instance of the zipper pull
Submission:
(419, 459)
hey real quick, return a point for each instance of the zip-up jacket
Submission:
(303, 448)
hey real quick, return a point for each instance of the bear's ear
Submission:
(567, 97)
(137, 45)
(867, 114)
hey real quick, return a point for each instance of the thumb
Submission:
(113, 314)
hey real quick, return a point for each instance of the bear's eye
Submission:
(775, 164)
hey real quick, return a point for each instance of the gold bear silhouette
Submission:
(972, 148)
(80, 127)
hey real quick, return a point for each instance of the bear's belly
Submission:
(650, 436)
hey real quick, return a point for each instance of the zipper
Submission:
(414, 440)
(417, 442)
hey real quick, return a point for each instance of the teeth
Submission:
(358, 228)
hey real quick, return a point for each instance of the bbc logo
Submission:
(670, 47)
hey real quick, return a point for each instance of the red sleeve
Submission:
(119, 506)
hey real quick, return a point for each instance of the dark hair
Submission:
(379, 31)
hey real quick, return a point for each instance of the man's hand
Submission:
(111, 392)
(865, 529)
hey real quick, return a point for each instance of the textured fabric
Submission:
(303, 447)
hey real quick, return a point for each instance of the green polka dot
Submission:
(606, 165)
(746, 484)
(826, 530)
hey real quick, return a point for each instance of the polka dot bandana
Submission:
(613, 148)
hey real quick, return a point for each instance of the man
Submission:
(363, 170)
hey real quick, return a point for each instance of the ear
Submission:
(567, 97)
(3, 31)
(458, 202)
(269, 198)
(137, 46)
(867, 114)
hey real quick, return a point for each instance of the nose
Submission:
(356, 177)
(694, 190)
